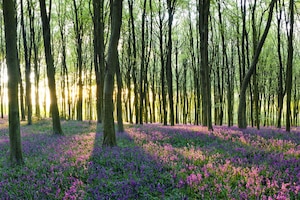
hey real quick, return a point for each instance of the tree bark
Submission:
(134, 68)
(162, 62)
(109, 135)
(27, 58)
(255, 84)
(78, 26)
(281, 91)
(142, 70)
(205, 68)
(99, 61)
(289, 67)
(119, 99)
(171, 9)
(34, 42)
(10, 24)
(50, 69)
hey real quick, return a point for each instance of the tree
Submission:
(281, 91)
(171, 10)
(50, 69)
(289, 67)
(242, 122)
(78, 28)
(109, 135)
(162, 63)
(27, 57)
(34, 41)
(134, 61)
(119, 99)
(142, 70)
(99, 61)
(10, 24)
(204, 6)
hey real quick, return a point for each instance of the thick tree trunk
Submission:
(242, 121)
(50, 69)
(10, 23)
(205, 68)
(109, 135)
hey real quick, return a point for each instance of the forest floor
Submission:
(152, 162)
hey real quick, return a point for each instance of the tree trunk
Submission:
(255, 84)
(162, 62)
(171, 9)
(109, 135)
(281, 91)
(10, 23)
(242, 122)
(205, 68)
(27, 55)
(22, 106)
(134, 70)
(177, 75)
(35, 59)
(142, 70)
(99, 55)
(289, 67)
(50, 69)
(78, 32)
(119, 99)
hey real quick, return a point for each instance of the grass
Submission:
(152, 162)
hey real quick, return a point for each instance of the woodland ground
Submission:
(152, 162)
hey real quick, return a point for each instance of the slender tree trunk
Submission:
(50, 69)
(119, 99)
(185, 99)
(224, 63)
(162, 62)
(64, 70)
(134, 68)
(255, 84)
(10, 24)
(281, 92)
(142, 70)
(177, 75)
(230, 91)
(242, 122)
(98, 6)
(27, 55)
(78, 26)
(22, 106)
(154, 89)
(109, 135)
(289, 67)
(171, 10)
(35, 58)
